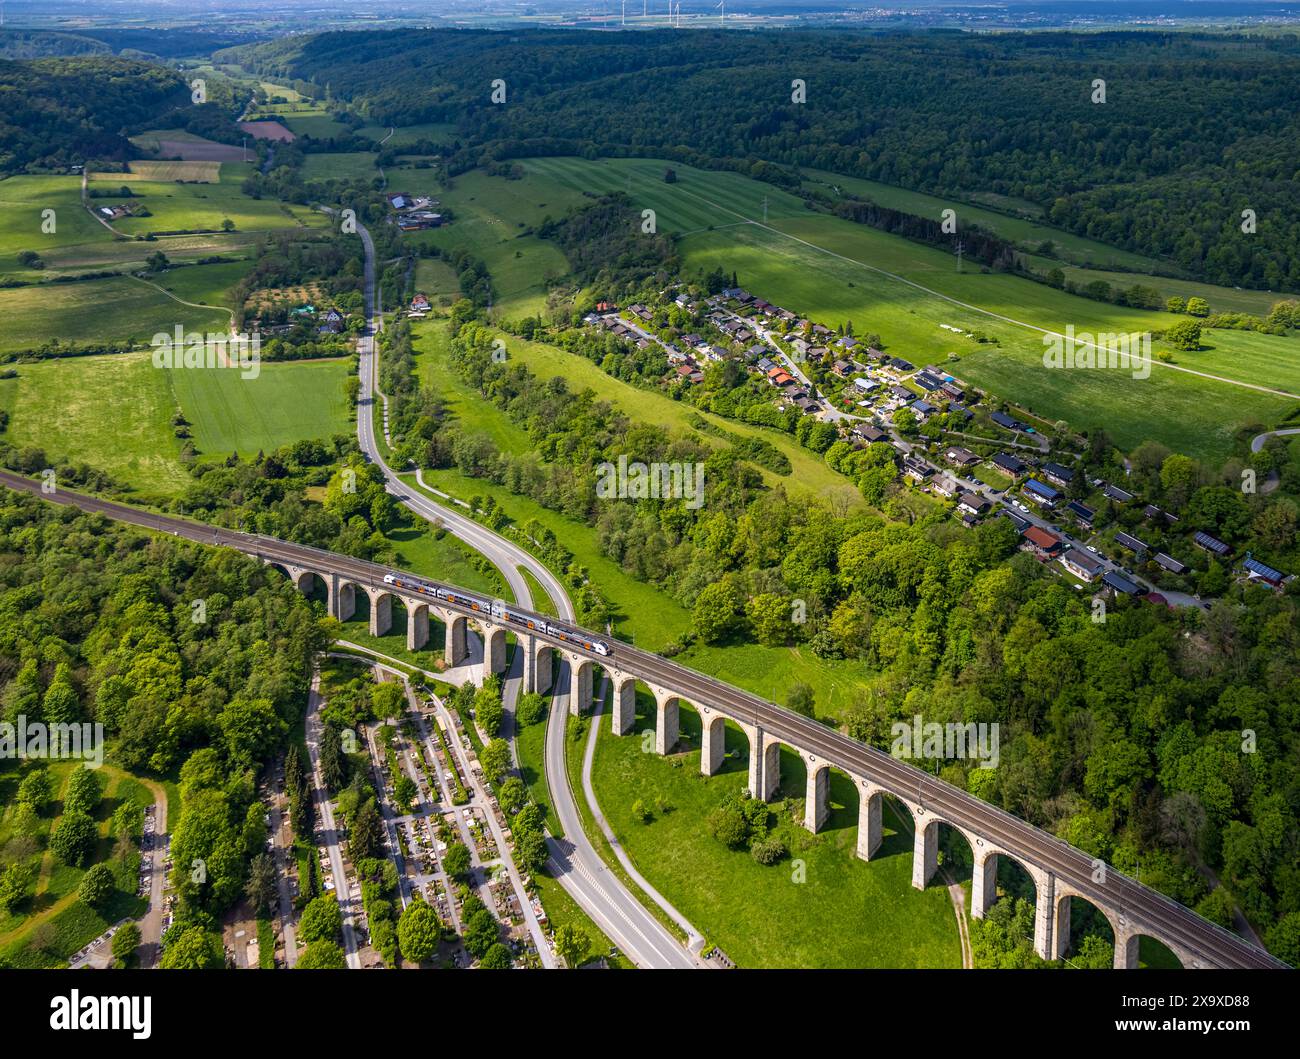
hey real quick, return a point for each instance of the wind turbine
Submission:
(623, 21)
(723, 4)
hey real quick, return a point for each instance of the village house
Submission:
(1040, 493)
(1012, 465)
(1131, 543)
(1170, 563)
(1259, 573)
(1044, 543)
(870, 433)
(1081, 565)
(1083, 515)
(1119, 584)
(961, 457)
(973, 503)
(1210, 544)
(917, 469)
(1058, 474)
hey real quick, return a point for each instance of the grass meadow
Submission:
(819, 907)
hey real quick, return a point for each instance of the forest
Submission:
(60, 112)
(1194, 128)
(99, 622)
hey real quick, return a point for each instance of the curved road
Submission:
(574, 860)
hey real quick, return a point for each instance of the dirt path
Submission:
(85, 201)
(958, 896)
(192, 305)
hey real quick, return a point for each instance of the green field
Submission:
(115, 412)
(490, 215)
(408, 134)
(204, 284)
(192, 207)
(23, 200)
(309, 119)
(845, 913)
(1026, 234)
(437, 280)
(118, 310)
(353, 165)
(286, 402)
(1221, 299)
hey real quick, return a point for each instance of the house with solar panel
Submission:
(1258, 573)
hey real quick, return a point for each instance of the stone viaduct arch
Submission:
(1052, 896)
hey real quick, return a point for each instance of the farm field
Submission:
(1027, 234)
(349, 165)
(845, 912)
(490, 215)
(204, 284)
(286, 402)
(177, 143)
(189, 207)
(117, 310)
(112, 412)
(192, 172)
(22, 202)
(1221, 299)
(408, 134)
(310, 119)
(130, 255)
(437, 281)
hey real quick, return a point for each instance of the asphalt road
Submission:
(574, 860)
(1148, 910)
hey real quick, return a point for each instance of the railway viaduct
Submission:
(1061, 874)
(1054, 890)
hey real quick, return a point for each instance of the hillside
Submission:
(59, 112)
(1164, 166)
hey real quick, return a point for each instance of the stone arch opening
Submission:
(459, 646)
(311, 585)
(351, 602)
(1147, 953)
(893, 824)
(1083, 933)
(956, 853)
(778, 772)
(581, 684)
(724, 746)
(545, 662)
